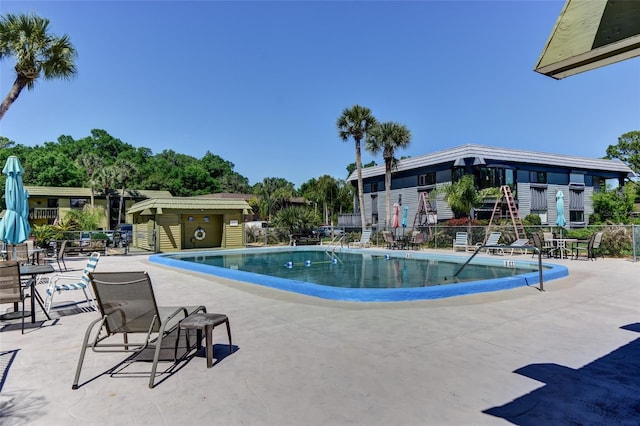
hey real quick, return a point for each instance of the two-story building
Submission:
(534, 179)
(48, 205)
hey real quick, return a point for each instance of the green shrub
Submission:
(616, 241)
(532, 219)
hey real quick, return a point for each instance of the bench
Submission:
(303, 240)
(74, 248)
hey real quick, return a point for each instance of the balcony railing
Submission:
(43, 213)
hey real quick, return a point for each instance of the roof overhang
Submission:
(590, 34)
(161, 205)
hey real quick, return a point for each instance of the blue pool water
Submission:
(363, 275)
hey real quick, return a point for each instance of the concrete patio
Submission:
(569, 355)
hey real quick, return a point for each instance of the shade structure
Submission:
(560, 219)
(14, 226)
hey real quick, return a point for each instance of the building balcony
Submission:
(43, 213)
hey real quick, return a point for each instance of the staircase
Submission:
(511, 210)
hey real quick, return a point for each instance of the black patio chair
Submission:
(11, 288)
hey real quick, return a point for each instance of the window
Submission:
(576, 204)
(538, 177)
(576, 216)
(539, 202)
(78, 203)
(427, 179)
(52, 203)
(494, 177)
(576, 178)
(538, 199)
(457, 173)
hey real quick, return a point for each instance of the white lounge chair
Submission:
(519, 245)
(493, 240)
(365, 239)
(461, 242)
(61, 282)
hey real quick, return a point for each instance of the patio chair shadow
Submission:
(6, 359)
(22, 407)
(28, 326)
(604, 391)
(126, 368)
(64, 309)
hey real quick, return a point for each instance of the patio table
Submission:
(561, 246)
(33, 271)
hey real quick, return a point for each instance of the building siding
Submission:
(170, 232)
(233, 236)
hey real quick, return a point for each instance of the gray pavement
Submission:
(569, 355)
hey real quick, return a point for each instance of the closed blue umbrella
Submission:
(560, 219)
(14, 226)
(405, 213)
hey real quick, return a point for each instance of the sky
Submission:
(261, 84)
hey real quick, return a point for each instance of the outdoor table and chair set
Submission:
(124, 300)
(560, 247)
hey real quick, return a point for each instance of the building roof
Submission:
(488, 153)
(189, 203)
(58, 191)
(245, 197)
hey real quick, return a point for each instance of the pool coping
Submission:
(552, 272)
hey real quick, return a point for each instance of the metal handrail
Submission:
(333, 245)
(482, 246)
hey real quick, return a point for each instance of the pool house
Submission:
(176, 223)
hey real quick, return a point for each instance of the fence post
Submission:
(634, 240)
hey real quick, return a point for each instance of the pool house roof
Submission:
(189, 203)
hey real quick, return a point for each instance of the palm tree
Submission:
(91, 163)
(463, 197)
(327, 188)
(38, 54)
(274, 194)
(355, 122)
(387, 137)
(124, 170)
(106, 178)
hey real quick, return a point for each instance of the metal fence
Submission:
(618, 240)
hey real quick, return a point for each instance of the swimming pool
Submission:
(411, 275)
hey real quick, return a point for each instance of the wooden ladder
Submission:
(512, 208)
(425, 215)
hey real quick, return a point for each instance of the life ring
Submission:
(199, 234)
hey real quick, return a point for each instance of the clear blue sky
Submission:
(261, 84)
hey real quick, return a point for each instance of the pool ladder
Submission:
(336, 243)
